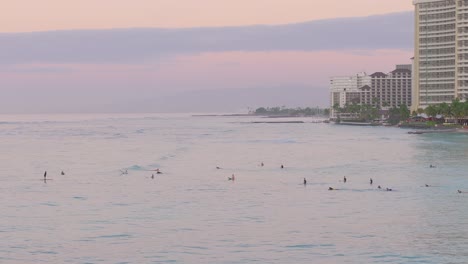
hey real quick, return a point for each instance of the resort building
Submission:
(388, 90)
(441, 52)
(380, 90)
(345, 90)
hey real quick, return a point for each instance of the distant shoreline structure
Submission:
(278, 112)
(278, 122)
(260, 116)
(222, 115)
(344, 123)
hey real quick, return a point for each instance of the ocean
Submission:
(191, 213)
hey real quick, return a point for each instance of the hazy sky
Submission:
(142, 63)
(43, 15)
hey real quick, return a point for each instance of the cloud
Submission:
(32, 68)
(392, 31)
(209, 82)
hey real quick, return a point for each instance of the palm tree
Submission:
(375, 101)
(385, 104)
(458, 109)
(431, 110)
(354, 108)
(337, 109)
(404, 112)
(466, 108)
(444, 109)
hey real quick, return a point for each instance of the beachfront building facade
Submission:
(389, 90)
(345, 90)
(379, 90)
(441, 52)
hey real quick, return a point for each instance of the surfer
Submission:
(344, 179)
(460, 191)
(389, 190)
(305, 181)
(152, 176)
(282, 166)
(261, 164)
(45, 175)
(63, 173)
(330, 189)
(218, 168)
(379, 187)
(427, 185)
(371, 181)
(233, 178)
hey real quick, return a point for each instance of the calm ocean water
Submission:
(192, 214)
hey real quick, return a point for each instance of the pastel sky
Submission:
(43, 15)
(132, 56)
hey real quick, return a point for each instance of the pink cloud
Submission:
(27, 15)
(244, 69)
(214, 70)
(114, 87)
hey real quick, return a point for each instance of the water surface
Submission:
(192, 214)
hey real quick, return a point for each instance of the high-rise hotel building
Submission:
(378, 89)
(441, 52)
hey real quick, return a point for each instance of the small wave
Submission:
(166, 157)
(154, 165)
(135, 168)
(44, 252)
(114, 236)
(49, 204)
(118, 135)
(286, 141)
(302, 246)
(275, 141)
(327, 245)
(196, 247)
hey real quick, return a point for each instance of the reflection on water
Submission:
(192, 214)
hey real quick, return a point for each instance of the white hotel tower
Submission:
(441, 52)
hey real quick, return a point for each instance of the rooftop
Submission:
(415, 2)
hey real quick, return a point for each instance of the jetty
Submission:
(434, 131)
(345, 123)
(278, 122)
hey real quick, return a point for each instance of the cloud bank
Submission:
(194, 70)
(392, 31)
